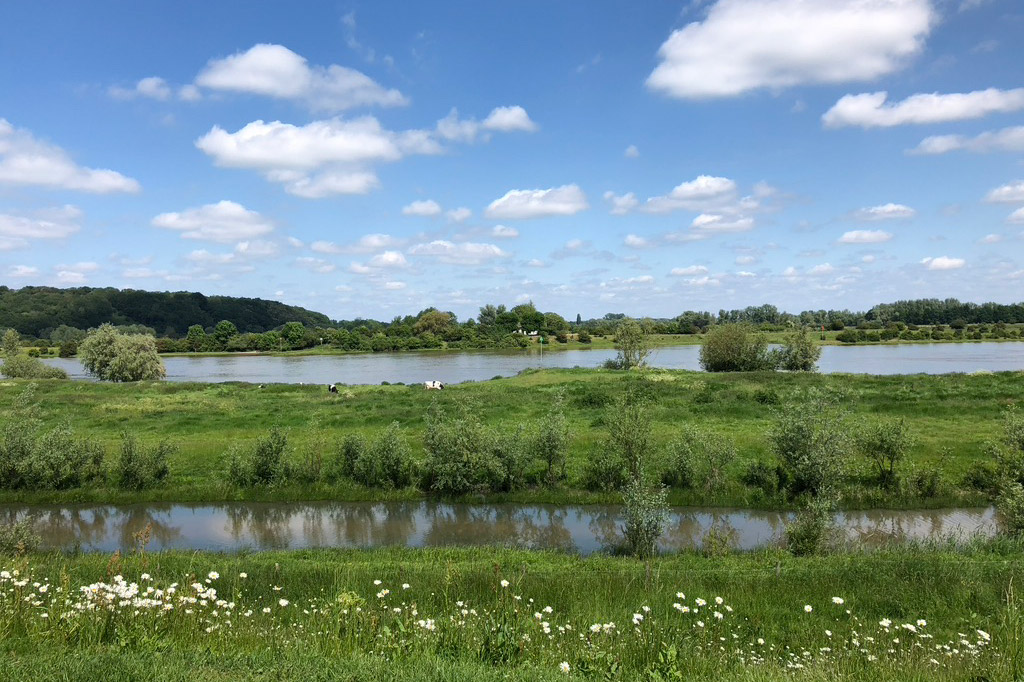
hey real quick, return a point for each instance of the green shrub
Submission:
(982, 476)
(112, 356)
(810, 438)
(646, 513)
(138, 468)
(886, 443)
(813, 530)
(50, 460)
(17, 539)
(767, 396)
(1010, 506)
(799, 353)
(551, 442)
(681, 471)
(260, 464)
(698, 455)
(460, 453)
(735, 348)
(26, 367)
(387, 462)
(762, 476)
(351, 449)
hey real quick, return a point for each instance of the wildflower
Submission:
(243, 575)
(885, 623)
(213, 575)
(699, 602)
(719, 601)
(828, 633)
(838, 601)
(547, 609)
(921, 622)
(719, 615)
(637, 618)
(680, 595)
(376, 582)
(909, 627)
(760, 641)
(405, 586)
(144, 576)
(984, 635)
(564, 667)
(808, 608)
(595, 628)
(383, 593)
(700, 623)
(282, 602)
(504, 583)
(266, 609)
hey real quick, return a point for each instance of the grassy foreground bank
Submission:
(951, 416)
(455, 614)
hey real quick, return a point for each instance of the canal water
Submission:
(578, 529)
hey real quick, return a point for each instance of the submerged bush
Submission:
(799, 352)
(735, 348)
(646, 513)
(25, 367)
(139, 468)
(813, 530)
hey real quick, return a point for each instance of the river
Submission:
(581, 529)
(457, 367)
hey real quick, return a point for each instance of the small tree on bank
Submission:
(799, 352)
(736, 348)
(631, 342)
(111, 356)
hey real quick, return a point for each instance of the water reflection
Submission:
(582, 529)
(452, 367)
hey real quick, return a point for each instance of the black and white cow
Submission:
(430, 385)
(331, 388)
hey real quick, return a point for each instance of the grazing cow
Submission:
(429, 385)
(332, 388)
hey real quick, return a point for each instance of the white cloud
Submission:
(888, 211)
(464, 253)
(318, 265)
(744, 45)
(520, 204)
(745, 260)
(295, 243)
(536, 263)
(631, 152)
(621, 205)
(369, 243)
(943, 263)
(704, 281)
(71, 277)
(509, 119)
(689, 271)
(256, 248)
(710, 222)
(460, 214)
(822, 269)
(152, 87)
(426, 208)
(1017, 217)
(24, 160)
(1005, 140)
(22, 271)
(636, 242)
(288, 154)
(504, 232)
(388, 259)
(189, 93)
(703, 192)
(870, 110)
(276, 71)
(394, 286)
(81, 266)
(501, 119)
(865, 237)
(16, 231)
(745, 273)
(995, 238)
(222, 222)
(789, 272)
(1010, 193)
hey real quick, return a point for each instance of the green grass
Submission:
(335, 626)
(952, 417)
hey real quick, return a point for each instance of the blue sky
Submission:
(374, 159)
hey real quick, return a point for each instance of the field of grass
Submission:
(952, 417)
(902, 614)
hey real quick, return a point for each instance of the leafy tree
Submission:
(196, 337)
(735, 348)
(111, 356)
(11, 343)
(433, 322)
(224, 331)
(631, 342)
(799, 352)
(886, 444)
(292, 333)
(811, 439)
(26, 367)
(552, 441)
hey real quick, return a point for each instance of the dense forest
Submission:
(38, 311)
(191, 322)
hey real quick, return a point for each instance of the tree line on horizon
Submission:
(192, 322)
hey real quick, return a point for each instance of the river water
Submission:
(457, 367)
(579, 529)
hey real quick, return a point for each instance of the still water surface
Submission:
(455, 367)
(580, 529)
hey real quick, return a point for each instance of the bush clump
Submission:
(387, 462)
(735, 348)
(139, 468)
(260, 464)
(811, 440)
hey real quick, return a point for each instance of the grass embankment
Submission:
(444, 614)
(952, 417)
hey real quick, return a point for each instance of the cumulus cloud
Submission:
(459, 215)
(152, 87)
(631, 152)
(996, 238)
(504, 232)
(822, 269)
(388, 259)
(275, 71)
(369, 243)
(621, 205)
(427, 208)
(634, 241)
(701, 193)
(225, 221)
(339, 149)
(1017, 217)
(464, 253)
(16, 231)
(744, 45)
(22, 271)
(865, 237)
(1005, 140)
(521, 204)
(394, 286)
(689, 271)
(943, 263)
(24, 160)
(711, 222)
(501, 119)
(870, 109)
(888, 211)
(318, 265)
(1010, 193)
